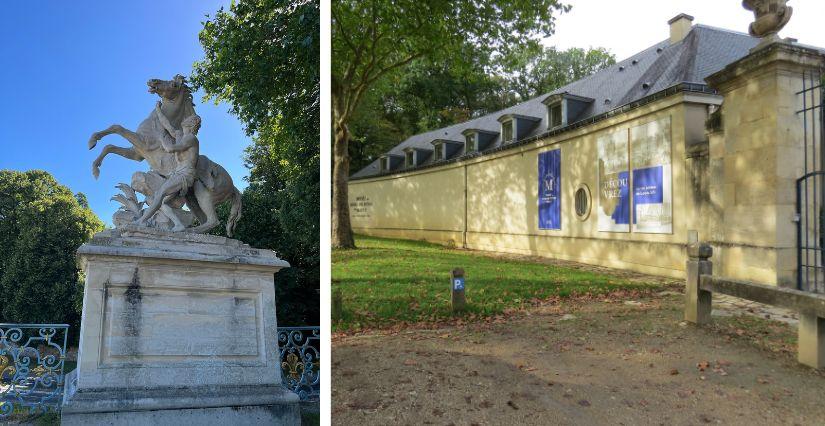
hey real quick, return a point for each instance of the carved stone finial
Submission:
(770, 16)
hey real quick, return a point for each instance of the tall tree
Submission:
(263, 58)
(531, 72)
(41, 226)
(373, 38)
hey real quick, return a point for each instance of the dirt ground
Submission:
(623, 362)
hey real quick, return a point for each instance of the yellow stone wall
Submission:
(502, 207)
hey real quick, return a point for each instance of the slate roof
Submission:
(704, 51)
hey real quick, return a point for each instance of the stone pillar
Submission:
(177, 328)
(763, 155)
(811, 340)
(698, 301)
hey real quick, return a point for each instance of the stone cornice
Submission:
(782, 51)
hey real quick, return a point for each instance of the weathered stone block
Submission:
(177, 328)
(811, 340)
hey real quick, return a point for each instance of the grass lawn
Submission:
(387, 281)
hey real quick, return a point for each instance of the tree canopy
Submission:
(423, 96)
(262, 57)
(42, 224)
(372, 39)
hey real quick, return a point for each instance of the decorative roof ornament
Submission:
(770, 16)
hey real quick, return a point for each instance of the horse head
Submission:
(176, 96)
(170, 90)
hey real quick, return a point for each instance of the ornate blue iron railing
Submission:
(32, 357)
(300, 366)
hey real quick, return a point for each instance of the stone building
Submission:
(699, 135)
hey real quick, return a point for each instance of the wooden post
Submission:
(698, 301)
(459, 302)
(337, 305)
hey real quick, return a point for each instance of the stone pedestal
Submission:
(177, 328)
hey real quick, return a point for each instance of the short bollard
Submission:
(457, 289)
(698, 301)
(337, 305)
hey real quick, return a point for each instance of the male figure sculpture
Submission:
(177, 173)
(186, 150)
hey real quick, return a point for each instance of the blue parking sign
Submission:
(458, 283)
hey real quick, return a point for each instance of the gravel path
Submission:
(623, 362)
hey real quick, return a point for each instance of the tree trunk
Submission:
(341, 227)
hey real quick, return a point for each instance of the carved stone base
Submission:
(177, 328)
(219, 405)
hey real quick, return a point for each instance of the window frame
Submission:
(588, 197)
(551, 117)
(438, 151)
(512, 124)
(470, 144)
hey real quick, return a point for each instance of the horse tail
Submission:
(235, 213)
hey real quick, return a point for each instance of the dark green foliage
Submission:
(530, 72)
(41, 226)
(262, 57)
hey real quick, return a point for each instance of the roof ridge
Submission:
(711, 27)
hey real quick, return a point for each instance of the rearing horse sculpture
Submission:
(213, 184)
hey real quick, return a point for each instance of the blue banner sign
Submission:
(549, 195)
(647, 187)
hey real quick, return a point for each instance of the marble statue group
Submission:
(179, 176)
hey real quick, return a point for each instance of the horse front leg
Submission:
(129, 153)
(134, 138)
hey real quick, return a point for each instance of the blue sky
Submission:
(71, 68)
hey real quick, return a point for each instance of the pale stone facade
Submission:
(732, 184)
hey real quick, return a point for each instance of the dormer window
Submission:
(515, 127)
(565, 108)
(477, 140)
(444, 149)
(387, 162)
(414, 157)
(507, 131)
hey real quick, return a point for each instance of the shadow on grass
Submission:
(387, 281)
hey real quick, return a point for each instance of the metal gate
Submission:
(810, 188)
